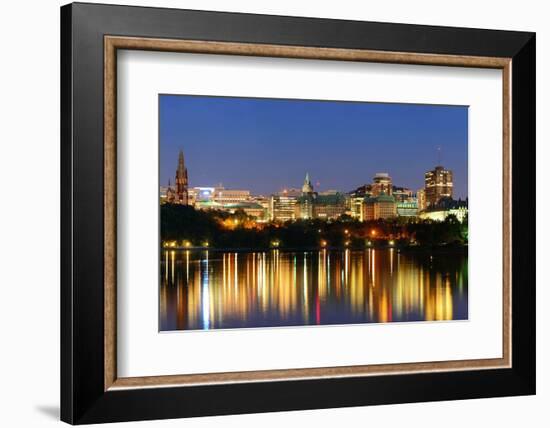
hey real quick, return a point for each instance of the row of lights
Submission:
(186, 244)
(274, 244)
(324, 243)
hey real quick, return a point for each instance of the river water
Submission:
(219, 290)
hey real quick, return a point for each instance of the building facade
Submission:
(379, 207)
(326, 205)
(180, 194)
(356, 198)
(407, 208)
(444, 208)
(230, 196)
(402, 194)
(421, 199)
(356, 206)
(438, 185)
(381, 183)
(250, 208)
(182, 181)
(329, 206)
(283, 207)
(306, 200)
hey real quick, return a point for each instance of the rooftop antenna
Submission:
(438, 155)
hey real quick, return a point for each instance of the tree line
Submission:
(221, 229)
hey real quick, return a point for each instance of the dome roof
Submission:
(385, 198)
(382, 197)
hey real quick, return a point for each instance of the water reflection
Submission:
(211, 289)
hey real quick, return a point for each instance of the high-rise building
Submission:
(181, 196)
(438, 184)
(381, 183)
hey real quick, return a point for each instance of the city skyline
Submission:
(252, 143)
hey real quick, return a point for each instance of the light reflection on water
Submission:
(213, 289)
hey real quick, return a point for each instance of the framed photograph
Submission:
(265, 213)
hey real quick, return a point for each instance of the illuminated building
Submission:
(402, 194)
(218, 198)
(179, 195)
(326, 205)
(407, 208)
(191, 196)
(379, 207)
(283, 207)
(421, 198)
(220, 194)
(181, 181)
(163, 193)
(307, 187)
(363, 191)
(381, 183)
(438, 185)
(250, 208)
(444, 208)
(306, 200)
(230, 196)
(264, 203)
(356, 199)
(356, 207)
(201, 194)
(329, 206)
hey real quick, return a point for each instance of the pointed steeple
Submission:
(181, 161)
(307, 187)
(181, 180)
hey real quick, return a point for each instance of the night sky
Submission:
(265, 145)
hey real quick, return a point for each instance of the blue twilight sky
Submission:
(265, 145)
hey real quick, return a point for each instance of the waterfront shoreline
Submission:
(405, 248)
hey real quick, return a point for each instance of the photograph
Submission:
(296, 212)
(266, 211)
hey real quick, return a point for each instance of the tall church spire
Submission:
(181, 162)
(181, 181)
